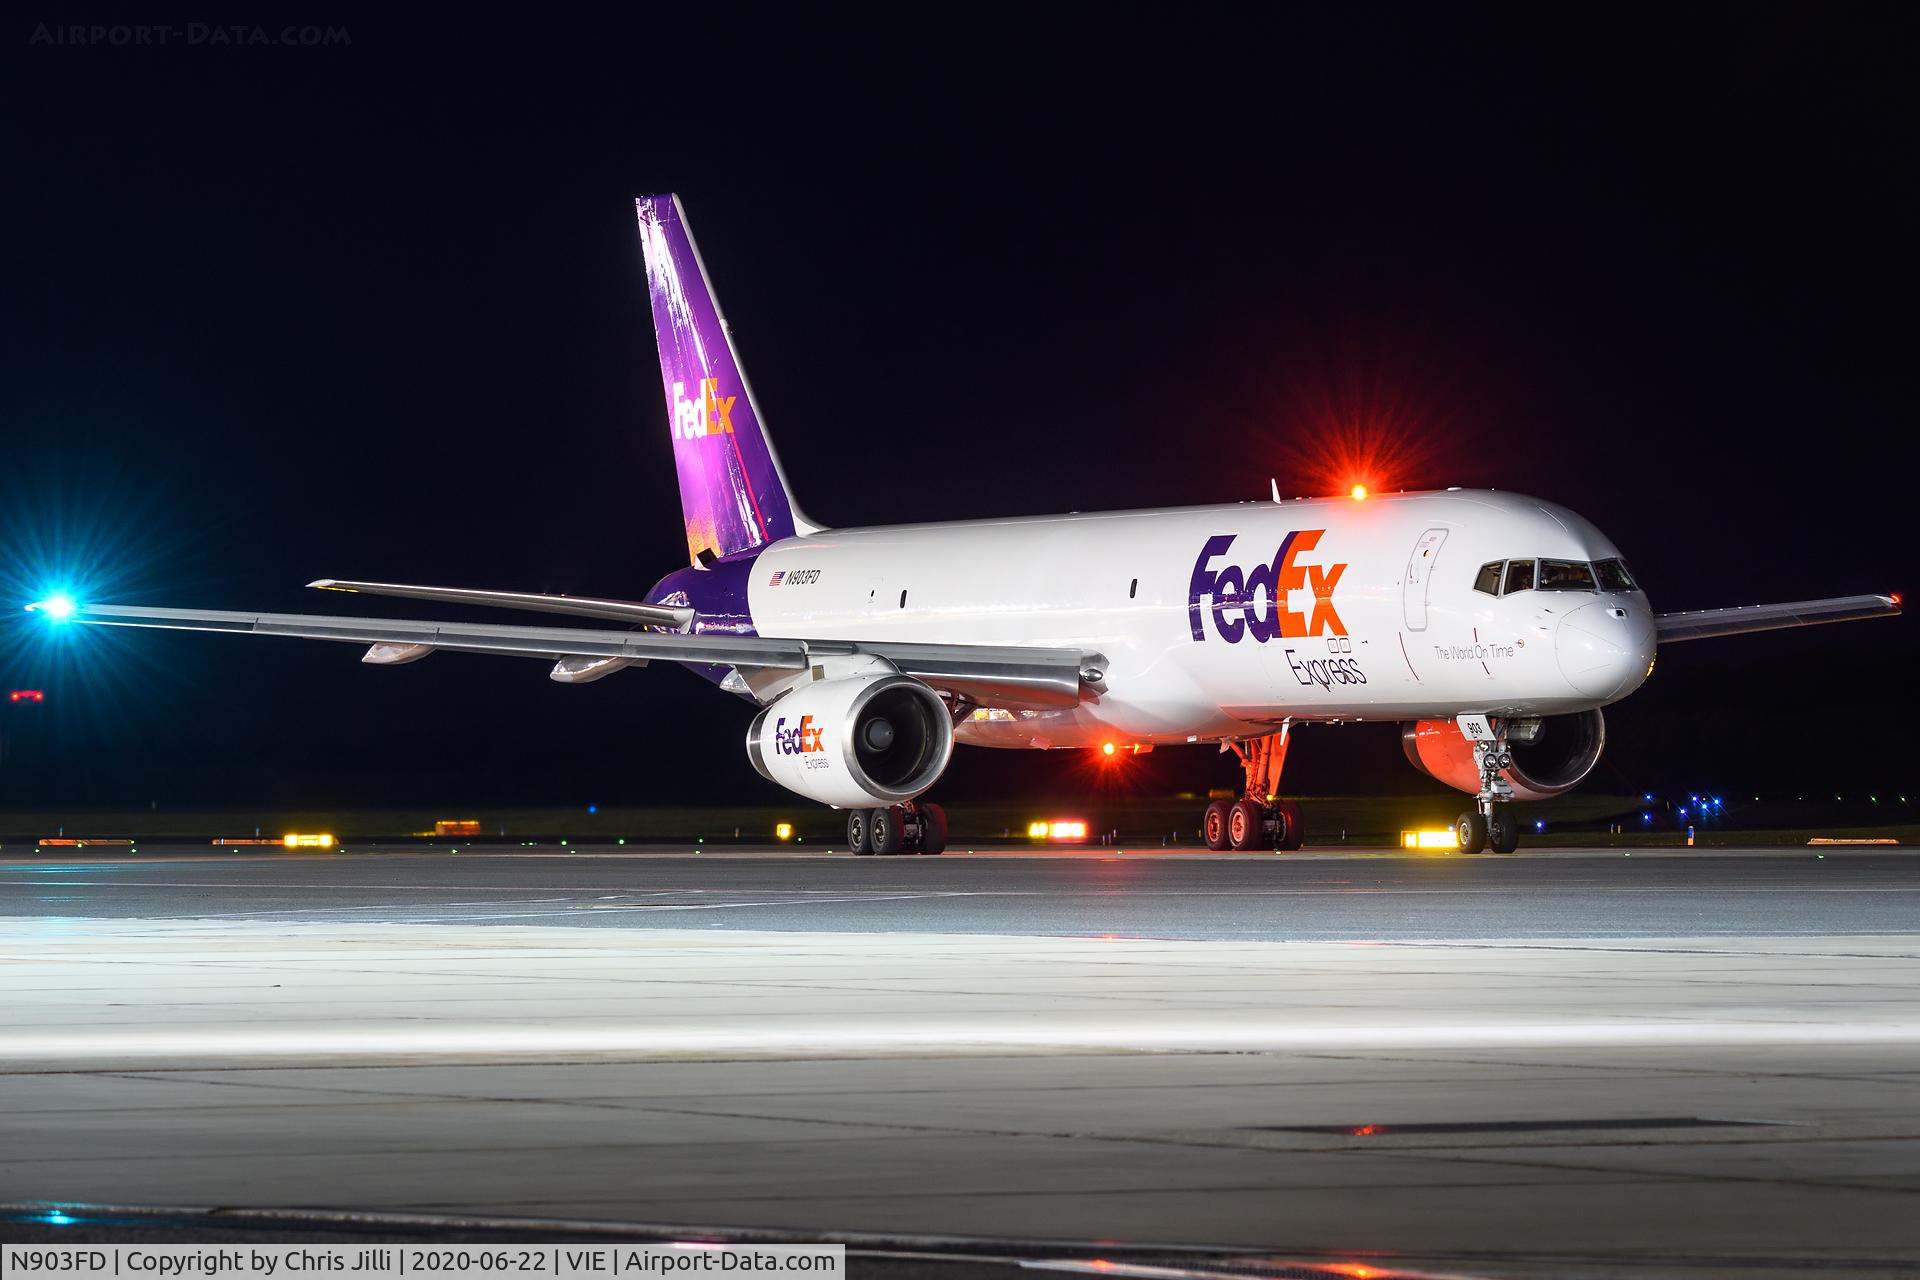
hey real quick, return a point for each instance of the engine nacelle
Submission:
(853, 742)
(1558, 756)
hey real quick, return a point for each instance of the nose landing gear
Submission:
(1490, 824)
(1259, 821)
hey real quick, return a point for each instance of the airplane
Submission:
(1492, 627)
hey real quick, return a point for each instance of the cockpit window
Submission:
(1614, 575)
(1565, 575)
(1554, 575)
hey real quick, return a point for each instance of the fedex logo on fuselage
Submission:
(1255, 602)
(709, 414)
(804, 739)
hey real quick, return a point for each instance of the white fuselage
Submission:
(1210, 629)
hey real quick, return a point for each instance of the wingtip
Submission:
(327, 584)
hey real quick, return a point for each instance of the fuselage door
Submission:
(1413, 593)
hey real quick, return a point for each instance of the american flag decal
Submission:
(777, 575)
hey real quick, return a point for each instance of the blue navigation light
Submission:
(59, 606)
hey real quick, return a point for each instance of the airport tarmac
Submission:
(1382, 894)
(1569, 1063)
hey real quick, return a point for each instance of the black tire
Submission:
(1503, 832)
(888, 833)
(1470, 829)
(1289, 832)
(1214, 824)
(858, 833)
(933, 829)
(1246, 826)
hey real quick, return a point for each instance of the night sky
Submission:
(376, 311)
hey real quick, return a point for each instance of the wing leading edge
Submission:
(991, 675)
(1701, 624)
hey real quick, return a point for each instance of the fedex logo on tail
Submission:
(1256, 602)
(804, 739)
(709, 414)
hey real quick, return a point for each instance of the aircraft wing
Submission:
(1702, 623)
(679, 618)
(992, 675)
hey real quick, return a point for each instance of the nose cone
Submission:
(1605, 649)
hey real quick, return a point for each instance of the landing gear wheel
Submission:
(1470, 829)
(933, 829)
(1214, 824)
(887, 830)
(1246, 826)
(1503, 833)
(1288, 831)
(858, 833)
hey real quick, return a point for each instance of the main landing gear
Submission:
(913, 827)
(1258, 821)
(1490, 824)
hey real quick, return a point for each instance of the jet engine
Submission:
(854, 742)
(1551, 754)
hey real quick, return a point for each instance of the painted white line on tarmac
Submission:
(497, 1040)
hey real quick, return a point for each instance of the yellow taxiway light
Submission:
(1444, 839)
(784, 831)
(298, 841)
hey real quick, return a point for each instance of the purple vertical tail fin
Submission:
(732, 490)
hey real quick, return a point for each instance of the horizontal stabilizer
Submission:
(1704, 623)
(658, 615)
